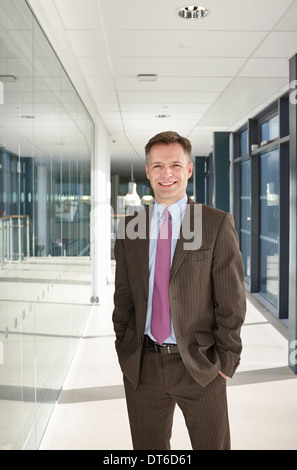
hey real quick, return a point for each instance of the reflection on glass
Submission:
(243, 142)
(269, 230)
(45, 160)
(245, 219)
(270, 129)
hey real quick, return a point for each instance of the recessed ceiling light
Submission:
(147, 77)
(192, 12)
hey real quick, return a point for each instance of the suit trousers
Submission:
(165, 382)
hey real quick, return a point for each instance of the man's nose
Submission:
(166, 172)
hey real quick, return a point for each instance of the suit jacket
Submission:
(206, 292)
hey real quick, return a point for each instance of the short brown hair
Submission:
(168, 137)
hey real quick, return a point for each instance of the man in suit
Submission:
(206, 302)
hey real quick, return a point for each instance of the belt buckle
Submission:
(168, 349)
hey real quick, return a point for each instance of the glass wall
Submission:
(261, 204)
(46, 147)
(269, 226)
(245, 217)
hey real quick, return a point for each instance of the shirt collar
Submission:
(176, 210)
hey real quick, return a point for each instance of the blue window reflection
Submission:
(270, 129)
(245, 216)
(269, 226)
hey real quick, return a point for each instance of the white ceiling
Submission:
(213, 73)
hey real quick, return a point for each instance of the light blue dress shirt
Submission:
(176, 211)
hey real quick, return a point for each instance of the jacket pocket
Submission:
(198, 255)
(204, 356)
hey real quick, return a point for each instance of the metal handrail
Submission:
(14, 238)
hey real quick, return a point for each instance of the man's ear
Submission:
(147, 171)
(190, 170)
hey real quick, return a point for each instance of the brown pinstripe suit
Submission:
(207, 298)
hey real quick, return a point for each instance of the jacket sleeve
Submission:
(123, 299)
(229, 296)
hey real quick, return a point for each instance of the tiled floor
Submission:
(91, 412)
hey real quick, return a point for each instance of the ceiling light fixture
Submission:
(132, 200)
(147, 77)
(192, 12)
(7, 78)
(148, 197)
(27, 116)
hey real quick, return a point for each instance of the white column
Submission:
(101, 208)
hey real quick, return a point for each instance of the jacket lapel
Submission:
(190, 236)
(142, 247)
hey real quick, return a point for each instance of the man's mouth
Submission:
(167, 183)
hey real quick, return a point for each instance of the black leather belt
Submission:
(164, 348)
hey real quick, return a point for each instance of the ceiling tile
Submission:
(289, 21)
(105, 97)
(173, 84)
(265, 68)
(150, 115)
(109, 107)
(182, 43)
(78, 14)
(278, 44)
(169, 107)
(101, 83)
(223, 15)
(87, 43)
(95, 66)
(181, 67)
(240, 98)
(111, 115)
(167, 97)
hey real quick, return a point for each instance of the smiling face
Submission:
(168, 170)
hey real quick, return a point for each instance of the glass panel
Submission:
(245, 217)
(269, 226)
(17, 405)
(45, 285)
(270, 129)
(243, 142)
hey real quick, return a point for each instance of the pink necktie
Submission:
(161, 308)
